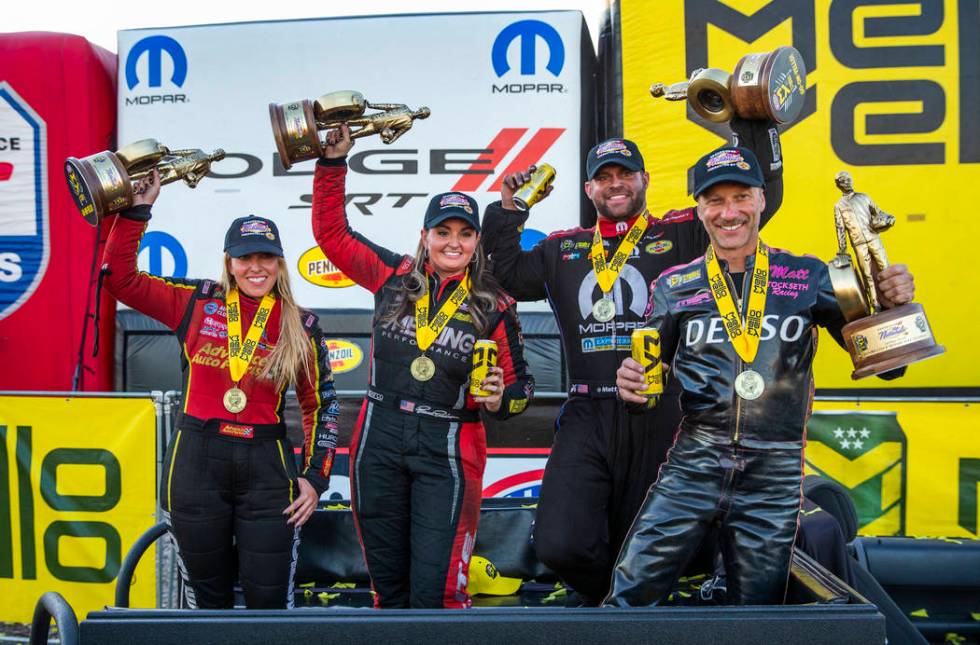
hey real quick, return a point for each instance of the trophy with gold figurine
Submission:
(877, 339)
(769, 86)
(102, 184)
(296, 126)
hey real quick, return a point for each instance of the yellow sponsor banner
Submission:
(77, 488)
(911, 468)
(893, 98)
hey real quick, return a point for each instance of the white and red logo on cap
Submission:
(616, 146)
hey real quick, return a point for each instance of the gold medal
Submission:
(749, 385)
(234, 400)
(423, 368)
(604, 310)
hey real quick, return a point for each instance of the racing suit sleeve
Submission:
(363, 261)
(518, 381)
(319, 407)
(521, 273)
(827, 314)
(164, 299)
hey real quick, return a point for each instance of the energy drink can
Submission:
(646, 351)
(533, 191)
(484, 357)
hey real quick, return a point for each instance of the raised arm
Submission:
(762, 138)
(363, 261)
(521, 273)
(164, 299)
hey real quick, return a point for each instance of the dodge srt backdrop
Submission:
(505, 91)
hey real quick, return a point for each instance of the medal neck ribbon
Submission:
(426, 331)
(240, 354)
(607, 272)
(744, 337)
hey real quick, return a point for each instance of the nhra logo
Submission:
(24, 245)
(152, 50)
(528, 32)
(526, 484)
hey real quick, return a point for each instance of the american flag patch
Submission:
(580, 388)
(407, 406)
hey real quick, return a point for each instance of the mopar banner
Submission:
(893, 97)
(77, 488)
(911, 468)
(504, 89)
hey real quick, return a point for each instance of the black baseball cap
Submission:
(452, 205)
(728, 163)
(622, 152)
(252, 234)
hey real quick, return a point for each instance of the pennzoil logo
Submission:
(317, 269)
(344, 355)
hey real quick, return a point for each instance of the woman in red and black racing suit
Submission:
(229, 472)
(419, 449)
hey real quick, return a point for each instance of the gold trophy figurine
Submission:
(878, 340)
(763, 86)
(102, 184)
(296, 126)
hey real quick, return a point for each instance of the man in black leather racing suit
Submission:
(737, 328)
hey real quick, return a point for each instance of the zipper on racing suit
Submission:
(738, 359)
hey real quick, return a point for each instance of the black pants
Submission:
(755, 494)
(601, 465)
(225, 498)
(416, 487)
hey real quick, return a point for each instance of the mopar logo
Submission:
(152, 49)
(155, 243)
(528, 32)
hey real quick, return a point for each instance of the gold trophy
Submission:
(763, 86)
(878, 340)
(296, 125)
(102, 184)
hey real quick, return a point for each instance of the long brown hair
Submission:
(484, 290)
(290, 357)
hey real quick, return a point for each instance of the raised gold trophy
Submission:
(763, 86)
(878, 340)
(296, 126)
(102, 184)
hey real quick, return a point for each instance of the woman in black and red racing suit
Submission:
(229, 472)
(419, 449)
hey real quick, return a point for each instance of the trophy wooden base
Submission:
(890, 339)
(294, 129)
(769, 86)
(99, 184)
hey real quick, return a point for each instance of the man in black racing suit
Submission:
(603, 460)
(747, 389)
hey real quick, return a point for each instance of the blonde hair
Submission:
(290, 357)
(483, 290)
